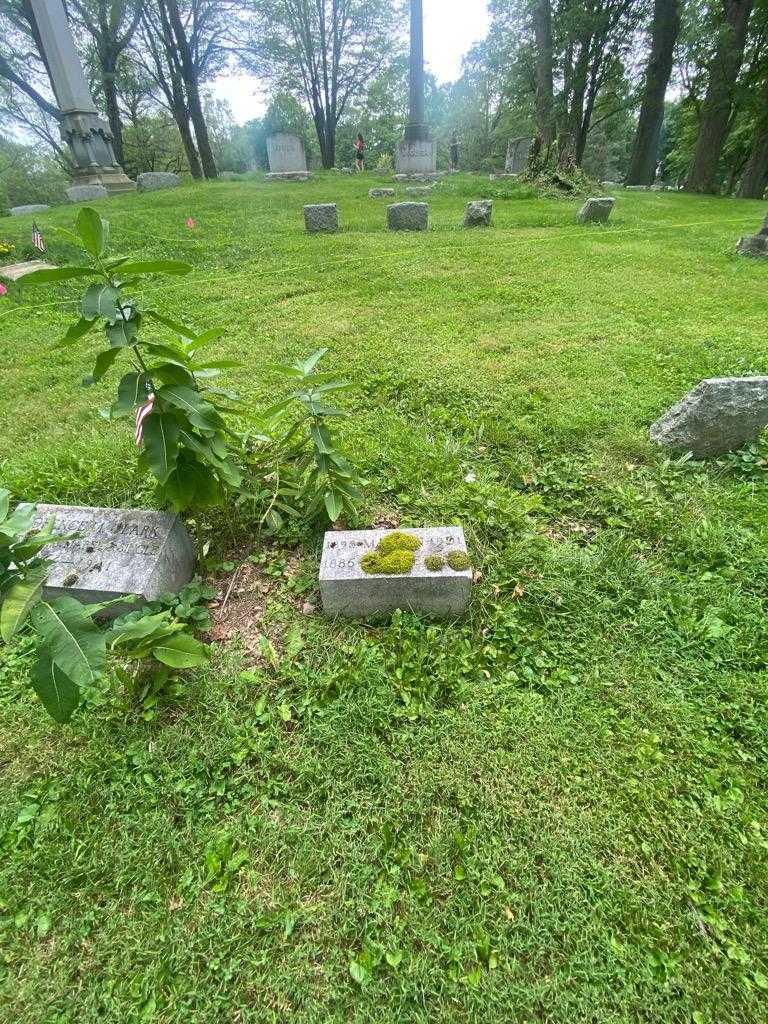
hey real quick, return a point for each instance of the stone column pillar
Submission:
(82, 128)
(416, 154)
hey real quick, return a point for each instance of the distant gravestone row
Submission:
(324, 217)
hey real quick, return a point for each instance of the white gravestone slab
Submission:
(347, 590)
(17, 270)
(286, 156)
(119, 551)
(416, 157)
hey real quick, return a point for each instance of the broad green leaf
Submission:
(5, 499)
(139, 629)
(161, 440)
(76, 331)
(309, 365)
(93, 231)
(181, 651)
(217, 364)
(174, 325)
(201, 414)
(19, 522)
(58, 694)
(18, 601)
(172, 373)
(322, 438)
(114, 264)
(70, 636)
(206, 338)
(156, 267)
(57, 274)
(123, 332)
(192, 484)
(175, 353)
(131, 391)
(101, 300)
(104, 361)
(333, 505)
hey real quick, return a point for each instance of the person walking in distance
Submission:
(453, 154)
(360, 153)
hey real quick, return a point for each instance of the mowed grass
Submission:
(552, 811)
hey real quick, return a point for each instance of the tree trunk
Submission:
(189, 75)
(545, 103)
(755, 178)
(716, 112)
(645, 150)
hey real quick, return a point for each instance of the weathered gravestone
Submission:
(380, 193)
(15, 271)
(754, 245)
(118, 552)
(637, 188)
(408, 217)
(596, 211)
(321, 217)
(517, 155)
(154, 181)
(478, 214)
(347, 589)
(416, 158)
(719, 415)
(287, 158)
(85, 193)
(20, 211)
(419, 190)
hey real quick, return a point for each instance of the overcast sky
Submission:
(451, 27)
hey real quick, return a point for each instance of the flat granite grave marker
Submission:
(86, 193)
(321, 217)
(346, 589)
(20, 211)
(120, 551)
(408, 217)
(15, 271)
(379, 193)
(478, 213)
(155, 181)
(719, 415)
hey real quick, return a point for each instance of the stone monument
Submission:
(287, 158)
(417, 153)
(437, 577)
(82, 128)
(118, 552)
(719, 415)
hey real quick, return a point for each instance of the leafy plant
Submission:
(293, 462)
(181, 425)
(70, 647)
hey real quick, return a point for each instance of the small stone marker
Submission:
(321, 217)
(719, 415)
(84, 193)
(478, 214)
(596, 211)
(754, 245)
(287, 158)
(17, 270)
(637, 188)
(347, 590)
(408, 217)
(120, 551)
(380, 193)
(154, 181)
(610, 184)
(419, 190)
(20, 211)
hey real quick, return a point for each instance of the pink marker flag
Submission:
(142, 413)
(3, 290)
(190, 223)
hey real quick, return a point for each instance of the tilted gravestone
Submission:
(118, 552)
(20, 211)
(15, 271)
(719, 415)
(754, 245)
(85, 193)
(408, 217)
(596, 211)
(380, 193)
(478, 214)
(346, 589)
(287, 158)
(154, 181)
(321, 217)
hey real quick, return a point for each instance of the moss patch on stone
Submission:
(395, 562)
(458, 560)
(434, 562)
(398, 541)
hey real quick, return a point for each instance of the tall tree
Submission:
(111, 24)
(545, 98)
(754, 181)
(324, 50)
(733, 17)
(665, 29)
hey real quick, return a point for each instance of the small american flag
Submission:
(37, 238)
(142, 413)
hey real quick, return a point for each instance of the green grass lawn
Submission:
(552, 811)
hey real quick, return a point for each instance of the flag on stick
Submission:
(142, 413)
(37, 238)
